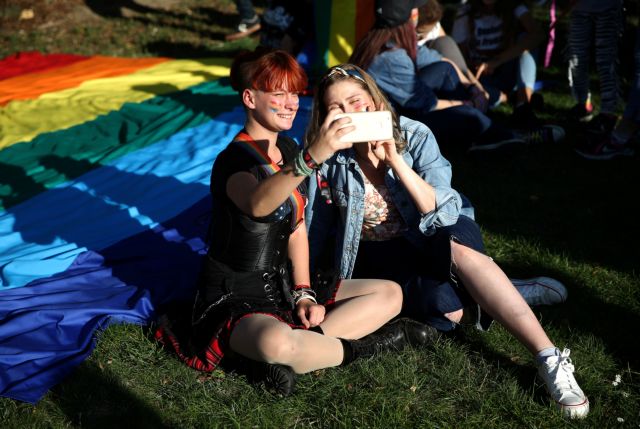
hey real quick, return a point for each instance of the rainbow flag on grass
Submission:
(104, 199)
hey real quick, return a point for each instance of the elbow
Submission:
(256, 209)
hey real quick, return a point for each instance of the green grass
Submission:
(543, 211)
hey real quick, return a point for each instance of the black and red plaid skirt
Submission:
(200, 337)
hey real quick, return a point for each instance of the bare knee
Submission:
(455, 316)
(391, 296)
(465, 258)
(276, 345)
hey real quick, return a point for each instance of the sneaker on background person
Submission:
(556, 369)
(582, 112)
(605, 149)
(496, 137)
(541, 291)
(602, 124)
(545, 134)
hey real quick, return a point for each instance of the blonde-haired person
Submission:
(394, 215)
(255, 298)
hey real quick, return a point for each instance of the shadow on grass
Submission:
(185, 50)
(550, 196)
(584, 315)
(96, 398)
(200, 20)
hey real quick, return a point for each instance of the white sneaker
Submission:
(557, 373)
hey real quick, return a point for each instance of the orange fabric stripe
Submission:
(33, 85)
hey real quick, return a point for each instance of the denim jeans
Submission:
(454, 126)
(632, 111)
(516, 74)
(442, 78)
(245, 9)
(459, 126)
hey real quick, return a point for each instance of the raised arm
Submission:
(438, 203)
(261, 198)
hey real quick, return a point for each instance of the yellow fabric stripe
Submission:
(343, 31)
(21, 121)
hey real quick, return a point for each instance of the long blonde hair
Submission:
(357, 75)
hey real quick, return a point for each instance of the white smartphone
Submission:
(370, 126)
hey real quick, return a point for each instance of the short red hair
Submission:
(267, 71)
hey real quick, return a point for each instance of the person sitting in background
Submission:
(431, 34)
(427, 90)
(496, 39)
(391, 211)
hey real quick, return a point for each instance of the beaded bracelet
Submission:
(311, 163)
(300, 168)
(304, 164)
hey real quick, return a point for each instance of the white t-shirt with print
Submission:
(489, 34)
(433, 34)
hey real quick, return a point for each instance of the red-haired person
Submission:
(254, 296)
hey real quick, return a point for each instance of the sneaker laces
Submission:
(560, 369)
(539, 136)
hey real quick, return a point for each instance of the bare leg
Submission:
(493, 291)
(265, 338)
(362, 306)
(523, 95)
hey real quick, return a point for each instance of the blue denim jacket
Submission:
(344, 216)
(395, 74)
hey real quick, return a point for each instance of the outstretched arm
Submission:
(261, 198)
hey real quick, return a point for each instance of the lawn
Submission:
(543, 211)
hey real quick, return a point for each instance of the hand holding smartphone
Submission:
(370, 126)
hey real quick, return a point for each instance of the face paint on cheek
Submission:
(274, 106)
(360, 107)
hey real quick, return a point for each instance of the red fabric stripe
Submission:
(30, 62)
(331, 301)
(365, 18)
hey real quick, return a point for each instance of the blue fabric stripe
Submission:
(41, 236)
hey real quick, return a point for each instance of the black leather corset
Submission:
(245, 244)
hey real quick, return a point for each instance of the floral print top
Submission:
(382, 220)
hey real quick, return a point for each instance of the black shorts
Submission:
(430, 288)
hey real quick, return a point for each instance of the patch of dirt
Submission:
(27, 15)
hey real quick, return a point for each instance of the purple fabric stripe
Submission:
(47, 328)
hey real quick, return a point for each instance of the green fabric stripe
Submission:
(323, 29)
(27, 169)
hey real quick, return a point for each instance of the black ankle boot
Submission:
(418, 334)
(279, 379)
(391, 336)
